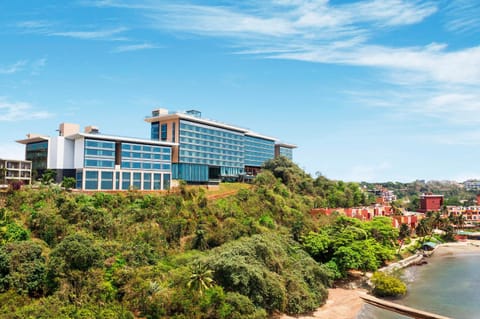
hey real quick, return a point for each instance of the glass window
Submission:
(117, 180)
(137, 180)
(91, 174)
(155, 131)
(156, 181)
(136, 165)
(147, 181)
(125, 180)
(163, 132)
(107, 180)
(174, 132)
(79, 176)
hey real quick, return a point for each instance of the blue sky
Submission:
(371, 90)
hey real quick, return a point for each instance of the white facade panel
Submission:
(79, 152)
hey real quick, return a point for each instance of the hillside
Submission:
(244, 252)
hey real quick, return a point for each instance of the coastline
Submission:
(341, 303)
(347, 304)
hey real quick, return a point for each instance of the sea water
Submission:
(447, 285)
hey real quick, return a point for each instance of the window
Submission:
(137, 180)
(156, 181)
(163, 132)
(107, 180)
(155, 131)
(79, 176)
(91, 180)
(173, 131)
(125, 180)
(147, 181)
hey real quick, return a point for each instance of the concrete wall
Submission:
(60, 153)
(79, 153)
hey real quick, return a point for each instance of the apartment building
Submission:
(15, 170)
(101, 162)
(208, 151)
(430, 203)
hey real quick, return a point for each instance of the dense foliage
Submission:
(181, 254)
(385, 285)
(351, 244)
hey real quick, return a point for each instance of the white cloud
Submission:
(19, 111)
(13, 68)
(463, 16)
(35, 66)
(134, 47)
(430, 79)
(102, 34)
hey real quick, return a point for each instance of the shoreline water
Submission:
(347, 304)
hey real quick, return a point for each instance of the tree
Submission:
(69, 183)
(49, 177)
(387, 286)
(22, 268)
(201, 278)
(403, 233)
(75, 252)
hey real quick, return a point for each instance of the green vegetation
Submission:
(408, 193)
(351, 244)
(385, 285)
(190, 253)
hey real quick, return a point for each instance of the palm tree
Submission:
(201, 278)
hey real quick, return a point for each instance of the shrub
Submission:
(387, 286)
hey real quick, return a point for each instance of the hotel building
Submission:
(101, 162)
(207, 151)
(15, 170)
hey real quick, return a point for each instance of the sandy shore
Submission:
(341, 303)
(470, 247)
(346, 303)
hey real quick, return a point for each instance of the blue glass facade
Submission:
(100, 154)
(206, 146)
(258, 150)
(38, 154)
(117, 165)
(209, 151)
(146, 157)
(287, 152)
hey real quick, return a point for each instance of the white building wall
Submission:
(52, 153)
(79, 153)
(69, 154)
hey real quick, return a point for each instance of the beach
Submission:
(341, 303)
(347, 304)
(469, 247)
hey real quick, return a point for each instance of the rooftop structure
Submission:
(209, 151)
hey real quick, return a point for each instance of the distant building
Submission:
(430, 203)
(383, 195)
(472, 185)
(15, 170)
(471, 214)
(101, 162)
(208, 151)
